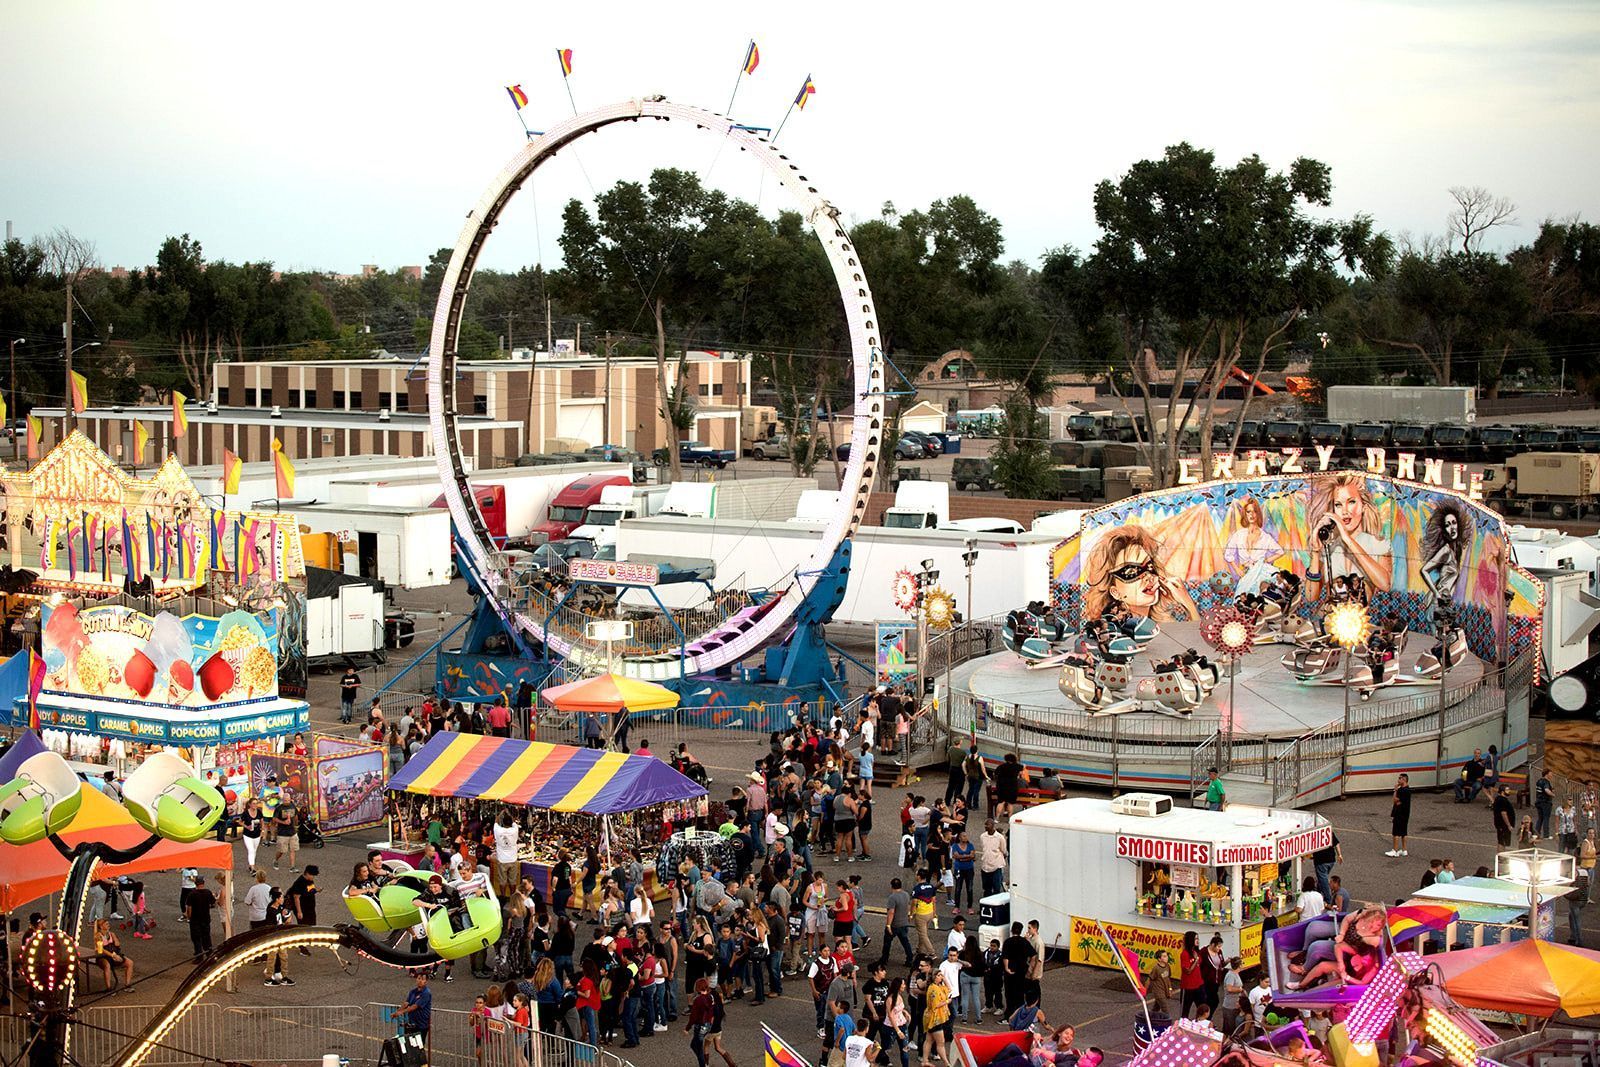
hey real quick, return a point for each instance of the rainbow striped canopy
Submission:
(534, 774)
(1408, 920)
(610, 692)
(1529, 977)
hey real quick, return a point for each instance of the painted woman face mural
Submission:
(1347, 535)
(1445, 540)
(1124, 570)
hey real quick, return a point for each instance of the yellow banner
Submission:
(1089, 946)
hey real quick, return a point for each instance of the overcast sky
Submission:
(328, 135)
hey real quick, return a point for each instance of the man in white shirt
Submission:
(951, 969)
(507, 855)
(858, 1051)
(920, 814)
(1311, 902)
(957, 938)
(1260, 998)
(992, 856)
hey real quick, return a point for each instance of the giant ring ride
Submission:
(760, 624)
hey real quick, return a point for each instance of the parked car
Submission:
(613, 454)
(903, 449)
(695, 454)
(931, 445)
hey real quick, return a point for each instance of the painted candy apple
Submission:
(139, 674)
(216, 677)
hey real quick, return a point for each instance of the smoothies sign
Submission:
(1161, 850)
(1304, 843)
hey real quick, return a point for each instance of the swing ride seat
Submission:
(479, 920)
(167, 798)
(41, 800)
(395, 905)
(1286, 941)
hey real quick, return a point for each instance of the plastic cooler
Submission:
(995, 910)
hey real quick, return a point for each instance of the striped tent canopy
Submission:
(534, 774)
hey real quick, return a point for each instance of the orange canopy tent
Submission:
(610, 693)
(1527, 977)
(28, 872)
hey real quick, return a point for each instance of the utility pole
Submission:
(66, 332)
(12, 405)
(510, 344)
(605, 408)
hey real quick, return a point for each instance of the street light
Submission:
(1347, 624)
(1534, 867)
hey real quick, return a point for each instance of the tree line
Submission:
(1201, 270)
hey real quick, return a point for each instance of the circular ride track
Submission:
(759, 624)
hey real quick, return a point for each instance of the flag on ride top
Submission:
(180, 418)
(87, 531)
(283, 469)
(108, 537)
(519, 99)
(141, 437)
(35, 433)
(72, 553)
(149, 536)
(776, 1052)
(80, 393)
(752, 58)
(214, 558)
(805, 90)
(565, 56)
(232, 470)
(127, 547)
(47, 546)
(1127, 959)
(2, 409)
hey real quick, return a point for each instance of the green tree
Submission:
(1204, 268)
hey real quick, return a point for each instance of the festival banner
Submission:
(1089, 945)
(892, 657)
(197, 661)
(350, 790)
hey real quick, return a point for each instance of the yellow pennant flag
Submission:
(3, 411)
(35, 432)
(180, 419)
(80, 393)
(141, 437)
(283, 469)
(232, 469)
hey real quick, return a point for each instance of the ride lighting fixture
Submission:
(48, 963)
(1347, 624)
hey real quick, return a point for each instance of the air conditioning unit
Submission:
(276, 413)
(211, 407)
(1147, 805)
(383, 415)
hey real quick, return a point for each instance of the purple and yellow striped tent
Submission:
(538, 775)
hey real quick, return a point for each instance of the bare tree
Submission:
(1477, 211)
(68, 256)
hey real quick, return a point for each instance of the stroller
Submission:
(310, 833)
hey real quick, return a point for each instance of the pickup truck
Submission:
(695, 454)
(774, 447)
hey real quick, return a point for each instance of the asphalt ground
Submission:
(1098, 1002)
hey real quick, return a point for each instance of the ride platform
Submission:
(1424, 730)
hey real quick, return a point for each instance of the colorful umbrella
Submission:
(1527, 977)
(1408, 920)
(610, 692)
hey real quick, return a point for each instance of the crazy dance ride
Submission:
(1152, 658)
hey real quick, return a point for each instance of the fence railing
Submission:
(1282, 764)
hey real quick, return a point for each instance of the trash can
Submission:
(950, 441)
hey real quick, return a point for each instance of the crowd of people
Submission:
(599, 958)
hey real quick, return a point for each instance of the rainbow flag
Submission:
(180, 418)
(79, 387)
(752, 58)
(35, 434)
(565, 56)
(519, 99)
(72, 555)
(214, 560)
(141, 437)
(1128, 960)
(232, 470)
(185, 532)
(149, 536)
(776, 1052)
(1408, 920)
(806, 90)
(128, 562)
(284, 470)
(87, 530)
(107, 534)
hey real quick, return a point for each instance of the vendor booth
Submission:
(161, 621)
(1488, 911)
(564, 798)
(1150, 872)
